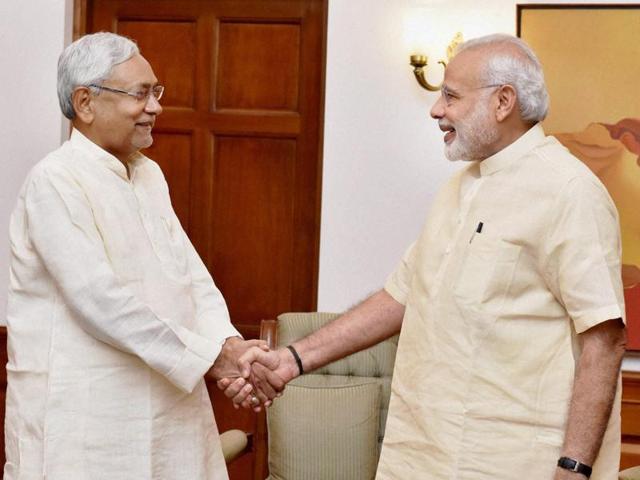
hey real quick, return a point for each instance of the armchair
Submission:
(632, 473)
(329, 423)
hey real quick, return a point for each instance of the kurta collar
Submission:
(511, 153)
(100, 155)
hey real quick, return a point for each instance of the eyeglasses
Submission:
(140, 95)
(449, 96)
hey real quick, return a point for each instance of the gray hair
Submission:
(521, 69)
(90, 60)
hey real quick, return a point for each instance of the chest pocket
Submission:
(168, 243)
(486, 272)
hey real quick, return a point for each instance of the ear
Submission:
(507, 102)
(82, 101)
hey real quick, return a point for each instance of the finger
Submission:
(234, 388)
(276, 383)
(246, 403)
(241, 397)
(263, 390)
(261, 380)
(256, 343)
(270, 360)
(223, 383)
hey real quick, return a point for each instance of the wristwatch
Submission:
(574, 466)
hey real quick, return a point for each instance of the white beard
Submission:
(472, 136)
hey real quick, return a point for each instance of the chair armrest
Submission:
(235, 443)
(269, 332)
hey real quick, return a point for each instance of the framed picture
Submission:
(591, 60)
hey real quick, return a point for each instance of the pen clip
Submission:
(477, 230)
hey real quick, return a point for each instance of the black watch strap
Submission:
(574, 466)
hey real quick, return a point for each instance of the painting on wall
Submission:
(591, 60)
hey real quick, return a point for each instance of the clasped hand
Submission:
(249, 370)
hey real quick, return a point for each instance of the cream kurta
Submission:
(112, 320)
(487, 354)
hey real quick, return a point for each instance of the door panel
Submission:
(258, 66)
(171, 54)
(173, 151)
(239, 143)
(254, 179)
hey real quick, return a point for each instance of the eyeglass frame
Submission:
(150, 92)
(444, 91)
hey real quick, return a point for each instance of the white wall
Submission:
(32, 35)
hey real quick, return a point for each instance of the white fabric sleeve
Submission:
(62, 231)
(398, 283)
(583, 254)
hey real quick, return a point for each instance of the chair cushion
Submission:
(630, 474)
(324, 433)
(233, 443)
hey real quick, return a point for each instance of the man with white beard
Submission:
(509, 305)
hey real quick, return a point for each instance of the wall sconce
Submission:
(419, 62)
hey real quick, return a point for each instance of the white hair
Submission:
(520, 69)
(90, 60)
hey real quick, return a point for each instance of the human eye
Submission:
(448, 96)
(157, 91)
(141, 94)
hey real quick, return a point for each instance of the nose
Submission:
(437, 111)
(153, 105)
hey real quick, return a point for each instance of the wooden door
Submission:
(239, 143)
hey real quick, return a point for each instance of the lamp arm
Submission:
(418, 71)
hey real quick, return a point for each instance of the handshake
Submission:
(250, 374)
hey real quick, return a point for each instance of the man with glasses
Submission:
(509, 305)
(113, 319)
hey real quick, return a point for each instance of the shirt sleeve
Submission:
(583, 253)
(398, 283)
(62, 231)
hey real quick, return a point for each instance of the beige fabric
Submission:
(487, 352)
(375, 362)
(233, 444)
(112, 322)
(324, 433)
(630, 474)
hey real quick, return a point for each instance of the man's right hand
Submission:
(259, 390)
(263, 368)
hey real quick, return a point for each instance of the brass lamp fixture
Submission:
(419, 62)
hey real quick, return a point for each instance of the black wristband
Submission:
(574, 466)
(297, 358)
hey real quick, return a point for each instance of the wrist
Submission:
(288, 363)
(229, 341)
(296, 358)
(581, 470)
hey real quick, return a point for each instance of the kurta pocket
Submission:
(486, 272)
(170, 247)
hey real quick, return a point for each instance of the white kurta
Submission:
(113, 320)
(520, 253)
